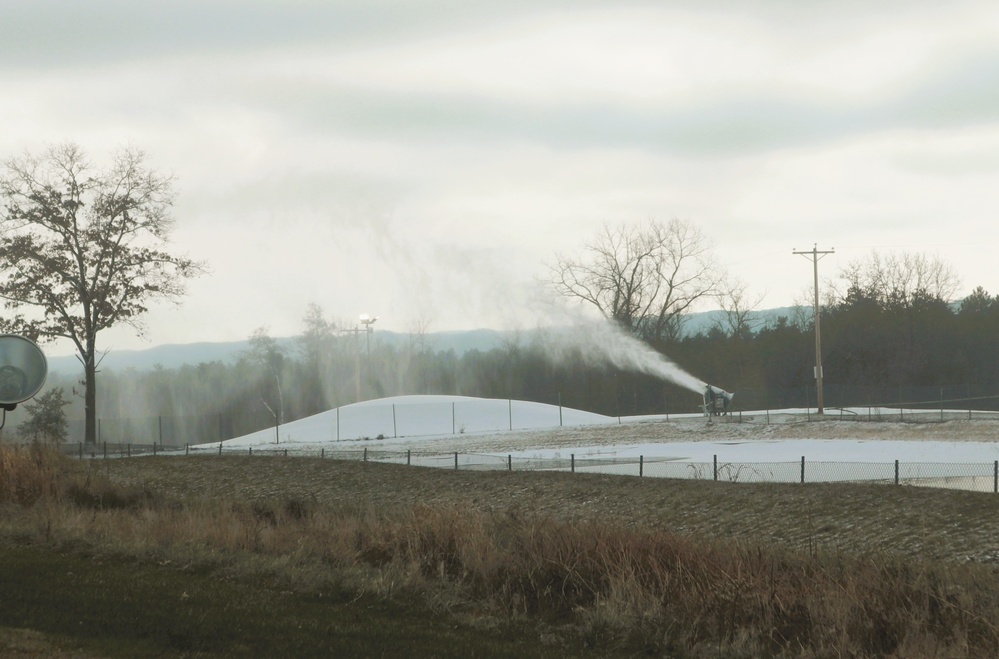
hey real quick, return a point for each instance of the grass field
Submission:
(239, 556)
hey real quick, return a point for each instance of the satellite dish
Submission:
(22, 370)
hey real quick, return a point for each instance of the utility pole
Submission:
(356, 331)
(814, 255)
(367, 321)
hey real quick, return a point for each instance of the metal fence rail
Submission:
(982, 477)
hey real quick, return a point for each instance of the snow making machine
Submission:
(717, 402)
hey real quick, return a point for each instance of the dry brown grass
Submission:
(640, 564)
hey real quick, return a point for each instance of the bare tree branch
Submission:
(645, 278)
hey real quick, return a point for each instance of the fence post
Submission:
(510, 406)
(81, 450)
(560, 409)
(995, 476)
(896, 472)
(572, 462)
(250, 451)
(802, 469)
(220, 448)
(286, 453)
(509, 462)
(365, 453)
(456, 461)
(453, 427)
(641, 466)
(409, 457)
(129, 449)
(768, 416)
(395, 426)
(187, 448)
(714, 462)
(322, 453)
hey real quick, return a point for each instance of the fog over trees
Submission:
(876, 350)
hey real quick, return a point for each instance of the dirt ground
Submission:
(912, 521)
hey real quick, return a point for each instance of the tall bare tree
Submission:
(647, 278)
(894, 280)
(84, 248)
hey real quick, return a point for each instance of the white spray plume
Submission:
(601, 342)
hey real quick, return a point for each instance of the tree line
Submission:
(873, 346)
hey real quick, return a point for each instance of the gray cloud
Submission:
(741, 121)
(375, 190)
(53, 33)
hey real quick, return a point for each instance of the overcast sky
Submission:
(423, 160)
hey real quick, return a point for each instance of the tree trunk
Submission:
(90, 398)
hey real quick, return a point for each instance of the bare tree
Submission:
(738, 308)
(83, 249)
(265, 352)
(318, 342)
(323, 349)
(420, 342)
(646, 278)
(895, 279)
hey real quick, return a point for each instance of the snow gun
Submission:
(716, 401)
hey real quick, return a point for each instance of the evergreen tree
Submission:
(46, 420)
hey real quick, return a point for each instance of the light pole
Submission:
(815, 255)
(367, 321)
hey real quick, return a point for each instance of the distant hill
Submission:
(176, 355)
(168, 356)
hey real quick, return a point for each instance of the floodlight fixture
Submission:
(23, 369)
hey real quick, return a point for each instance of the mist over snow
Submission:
(414, 422)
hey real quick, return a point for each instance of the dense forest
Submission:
(913, 349)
